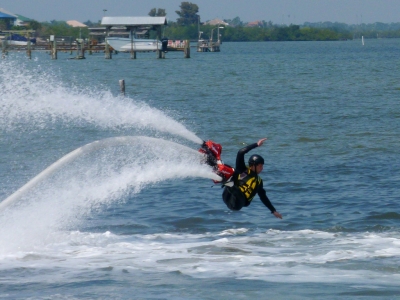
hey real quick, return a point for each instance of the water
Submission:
(140, 219)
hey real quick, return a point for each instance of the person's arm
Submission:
(240, 163)
(264, 198)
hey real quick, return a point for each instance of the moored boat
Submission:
(19, 40)
(123, 44)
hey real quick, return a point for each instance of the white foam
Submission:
(262, 256)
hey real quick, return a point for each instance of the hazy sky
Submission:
(277, 11)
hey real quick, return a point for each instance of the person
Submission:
(247, 183)
(241, 183)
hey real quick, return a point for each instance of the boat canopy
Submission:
(133, 21)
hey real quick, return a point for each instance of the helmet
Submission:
(256, 159)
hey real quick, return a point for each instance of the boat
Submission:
(120, 31)
(19, 40)
(123, 44)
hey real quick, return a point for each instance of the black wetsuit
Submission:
(246, 185)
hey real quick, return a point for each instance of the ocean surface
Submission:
(133, 214)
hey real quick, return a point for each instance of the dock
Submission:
(122, 32)
(208, 45)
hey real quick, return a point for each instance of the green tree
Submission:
(35, 25)
(5, 24)
(160, 12)
(236, 22)
(61, 28)
(188, 14)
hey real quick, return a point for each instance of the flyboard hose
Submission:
(114, 141)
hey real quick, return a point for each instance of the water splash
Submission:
(32, 95)
(89, 178)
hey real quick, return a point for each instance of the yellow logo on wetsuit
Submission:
(248, 184)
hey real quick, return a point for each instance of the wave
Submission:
(303, 256)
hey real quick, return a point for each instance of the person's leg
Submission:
(232, 198)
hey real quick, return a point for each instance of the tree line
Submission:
(188, 24)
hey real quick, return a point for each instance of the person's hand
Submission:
(278, 215)
(260, 142)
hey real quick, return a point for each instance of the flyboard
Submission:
(212, 157)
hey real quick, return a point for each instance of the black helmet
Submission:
(256, 159)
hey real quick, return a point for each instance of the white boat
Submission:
(19, 40)
(125, 45)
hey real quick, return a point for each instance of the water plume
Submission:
(32, 95)
(89, 178)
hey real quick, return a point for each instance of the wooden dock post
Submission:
(80, 49)
(28, 50)
(54, 47)
(186, 50)
(122, 86)
(4, 48)
(107, 51)
(133, 52)
(159, 51)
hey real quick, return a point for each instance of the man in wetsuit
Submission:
(247, 183)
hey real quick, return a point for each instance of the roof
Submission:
(75, 23)
(133, 21)
(216, 22)
(254, 24)
(23, 19)
(6, 14)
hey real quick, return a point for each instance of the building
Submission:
(22, 21)
(216, 22)
(7, 19)
(255, 24)
(74, 23)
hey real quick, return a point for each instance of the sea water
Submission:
(141, 219)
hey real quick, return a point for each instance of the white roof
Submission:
(133, 21)
(216, 22)
(74, 23)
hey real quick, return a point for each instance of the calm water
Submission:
(139, 217)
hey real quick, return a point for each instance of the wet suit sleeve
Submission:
(240, 163)
(264, 198)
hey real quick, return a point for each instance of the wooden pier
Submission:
(79, 47)
(208, 46)
(121, 26)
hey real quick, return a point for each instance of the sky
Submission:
(277, 11)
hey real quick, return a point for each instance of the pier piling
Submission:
(29, 50)
(53, 46)
(133, 46)
(186, 50)
(122, 86)
(107, 51)
(4, 48)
